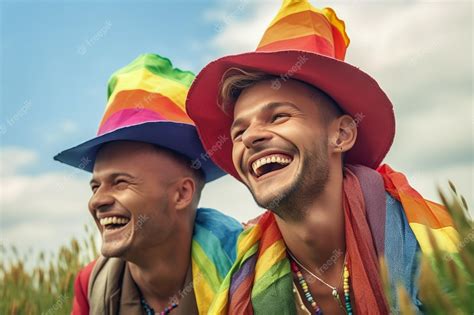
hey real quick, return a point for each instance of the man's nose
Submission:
(102, 198)
(254, 136)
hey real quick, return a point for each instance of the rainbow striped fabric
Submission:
(261, 282)
(423, 216)
(260, 274)
(213, 252)
(148, 89)
(300, 26)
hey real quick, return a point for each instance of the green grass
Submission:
(446, 281)
(45, 286)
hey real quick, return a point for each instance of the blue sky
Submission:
(56, 58)
(59, 56)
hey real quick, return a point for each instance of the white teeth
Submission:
(270, 159)
(113, 220)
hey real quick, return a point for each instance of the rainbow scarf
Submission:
(261, 282)
(213, 252)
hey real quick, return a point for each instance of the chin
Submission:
(113, 250)
(272, 196)
(116, 246)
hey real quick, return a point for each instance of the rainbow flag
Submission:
(423, 216)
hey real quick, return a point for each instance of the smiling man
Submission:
(160, 253)
(309, 133)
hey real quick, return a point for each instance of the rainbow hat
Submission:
(306, 44)
(146, 104)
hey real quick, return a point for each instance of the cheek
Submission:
(237, 152)
(89, 206)
(132, 201)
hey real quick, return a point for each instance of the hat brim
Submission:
(179, 137)
(353, 90)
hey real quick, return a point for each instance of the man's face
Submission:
(280, 145)
(131, 184)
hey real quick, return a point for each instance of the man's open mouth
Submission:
(114, 222)
(270, 163)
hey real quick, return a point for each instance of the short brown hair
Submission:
(234, 81)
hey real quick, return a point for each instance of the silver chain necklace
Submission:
(335, 294)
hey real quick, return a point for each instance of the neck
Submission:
(160, 271)
(318, 239)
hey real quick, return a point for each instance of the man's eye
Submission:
(94, 188)
(120, 183)
(279, 116)
(237, 134)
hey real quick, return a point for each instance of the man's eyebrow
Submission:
(266, 108)
(112, 176)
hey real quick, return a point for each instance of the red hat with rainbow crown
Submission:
(315, 40)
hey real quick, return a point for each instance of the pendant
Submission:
(335, 295)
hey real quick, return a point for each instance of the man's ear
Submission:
(184, 194)
(344, 134)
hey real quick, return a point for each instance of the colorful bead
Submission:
(309, 297)
(150, 311)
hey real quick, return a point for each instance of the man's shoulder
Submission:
(81, 284)
(215, 221)
(84, 274)
(215, 229)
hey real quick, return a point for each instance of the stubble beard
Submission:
(291, 202)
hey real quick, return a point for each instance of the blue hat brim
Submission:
(179, 137)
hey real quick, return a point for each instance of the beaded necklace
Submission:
(150, 311)
(309, 296)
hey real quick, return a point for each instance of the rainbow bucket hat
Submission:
(146, 103)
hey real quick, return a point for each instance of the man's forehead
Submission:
(105, 174)
(121, 154)
(123, 145)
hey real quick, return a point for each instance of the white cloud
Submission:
(68, 126)
(40, 211)
(230, 197)
(462, 176)
(240, 30)
(59, 131)
(14, 158)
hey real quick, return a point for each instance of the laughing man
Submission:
(160, 254)
(309, 133)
